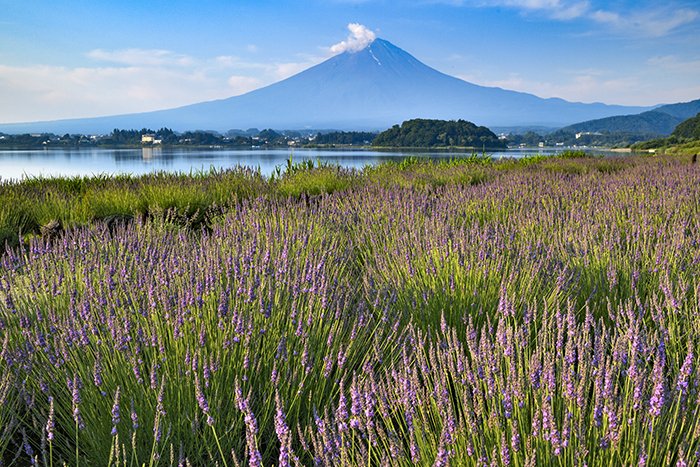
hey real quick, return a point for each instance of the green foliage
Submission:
(530, 139)
(652, 122)
(422, 173)
(689, 148)
(270, 136)
(132, 138)
(46, 206)
(532, 159)
(314, 181)
(438, 133)
(681, 110)
(573, 154)
(688, 129)
(685, 140)
(350, 138)
(27, 206)
(654, 143)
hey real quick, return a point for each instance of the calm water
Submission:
(16, 164)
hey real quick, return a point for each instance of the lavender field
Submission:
(545, 312)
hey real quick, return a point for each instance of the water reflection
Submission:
(149, 153)
(70, 162)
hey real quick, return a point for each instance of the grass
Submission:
(685, 149)
(195, 199)
(80, 201)
(418, 313)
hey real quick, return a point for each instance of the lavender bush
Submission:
(485, 315)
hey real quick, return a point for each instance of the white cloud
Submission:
(242, 84)
(652, 23)
(285, 70)
(226, 60)
(49, 92)
(644, 22)
(232, 61)
(132, 80)
(676, 64)
(557, 9)
(141, 57)
(143, 79)
(359, 38)
(270, 71)
(570, 11)
(590, 85)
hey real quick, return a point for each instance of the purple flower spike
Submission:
(658, 397)
(201, 400)
(505, 451)
(115, 412)
(134, 417)
(682, 385)
(50, 423)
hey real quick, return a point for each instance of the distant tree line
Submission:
(423, 133)
(133, 137)
(582, 138)
(529, 139)
(602, 138)
(168, 137)
(347, 138)
(164, 136)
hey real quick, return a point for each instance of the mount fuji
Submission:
(370, 89)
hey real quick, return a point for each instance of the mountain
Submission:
(371, 89)
(651, 123)
(658, 122)
(682, 110)
(688, 129)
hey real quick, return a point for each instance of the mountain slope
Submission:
(658, 122)
(682, 110)
(652, 122)
(371, 89)
(689, 129)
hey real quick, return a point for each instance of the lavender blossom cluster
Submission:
(538, 318)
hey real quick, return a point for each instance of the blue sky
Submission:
(61, 59)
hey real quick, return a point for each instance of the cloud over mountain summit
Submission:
(360, 37)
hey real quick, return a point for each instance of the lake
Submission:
(16, 164)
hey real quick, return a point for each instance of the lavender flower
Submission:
(201, 400)
(682, 383)
(341, 413)
(505, 451)
(115, 412)
(283, 434)
(134, 417)
(50, 423)
(658, 397)
(75, 386)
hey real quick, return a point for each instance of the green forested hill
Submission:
(684, 140)
(689, 129)
(423, 133)
(652, 122)
(682, 110)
